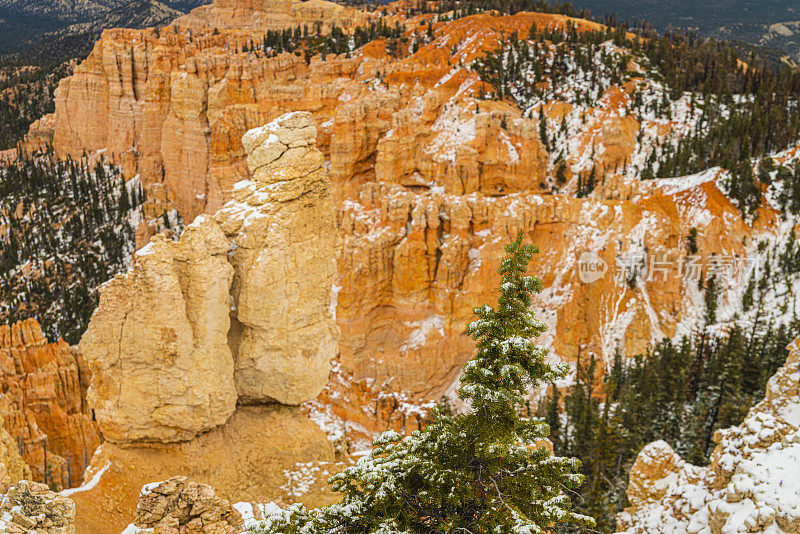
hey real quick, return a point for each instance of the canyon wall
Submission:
(353, 209)
(43, 403)
(264, 15)
(428, 182)
(429, 179)
(198, 367)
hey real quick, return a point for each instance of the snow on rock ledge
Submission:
(752, 484)
(30, 507)
(180, 506)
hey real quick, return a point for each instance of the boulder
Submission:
(180, 506)
(30, 507)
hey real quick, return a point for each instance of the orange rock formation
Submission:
(430, 180)
(272, 15)
(43, 403)
(177, 387)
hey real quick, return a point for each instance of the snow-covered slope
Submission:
(752, 484)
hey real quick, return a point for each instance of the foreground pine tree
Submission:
(478, 473)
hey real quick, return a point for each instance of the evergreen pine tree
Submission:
(691, 241)
(747, 298)
(561, 172)
(481, 472)
(543, 128)
(590, 182)
(711, 300)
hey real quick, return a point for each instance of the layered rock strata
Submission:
(751, 484)
(429, 179)
(263, 15)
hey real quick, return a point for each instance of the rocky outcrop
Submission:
(236, 311)
(167, 362)
(751, 484)
(282, 227)
(30, 507)
(157, 343)
(427, 259)
(180, 506)
(266, 15)
(43, 403)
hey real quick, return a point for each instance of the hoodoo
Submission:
(200, 352)
(44, 404)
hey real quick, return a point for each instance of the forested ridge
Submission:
(745, 111)
(747, 107)
(25, 24)
(680, 392)
(66, 226)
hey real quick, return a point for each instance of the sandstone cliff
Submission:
(202, 324)
(751, 484)
(167, 362)
(429, 179)
(43, 403)
(266, 15)
(157, 344)
(282, 227)
(173, 106)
